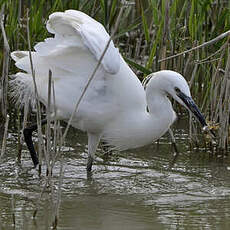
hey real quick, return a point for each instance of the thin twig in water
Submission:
(39, 199)
(19, 142)
(13, 209)
(48, 131)
(5, 136)
(56, 211)
(56, 130)
(36, 95)
(24, 124)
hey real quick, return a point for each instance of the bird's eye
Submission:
(177, 90)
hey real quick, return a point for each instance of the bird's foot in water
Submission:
(89, 164)
(99, 160)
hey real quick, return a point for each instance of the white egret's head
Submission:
(171, 83)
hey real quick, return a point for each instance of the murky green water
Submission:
(135, 190)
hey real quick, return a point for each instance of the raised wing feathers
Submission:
(77, 27)
(72, 56)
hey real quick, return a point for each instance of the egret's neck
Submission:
(160, 108)
(139, 128)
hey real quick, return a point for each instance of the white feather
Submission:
(114, 106)
(72, 62)
(76, 24)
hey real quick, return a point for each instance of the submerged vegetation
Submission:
(190, 37)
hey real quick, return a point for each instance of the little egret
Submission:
(116, 108)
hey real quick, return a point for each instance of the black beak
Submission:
(191, 105)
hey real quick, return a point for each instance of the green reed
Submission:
(149, 31)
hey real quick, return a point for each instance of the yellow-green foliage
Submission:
(149, 30)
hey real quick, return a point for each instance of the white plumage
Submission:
(115, 105)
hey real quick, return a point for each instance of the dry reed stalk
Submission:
(219, 87)
(137, 48)
(190, 131)
(215, 84)
(57, 206)
(20, 133)
(193, 134)
(193, 75)
(144, 50)
(39, 199)
(187, 64)
(55, 120)
(25, 115)
(58, 137)
(48, 129)
(57, 133)
(40, 142)
(224, 109)
(19, 143)
(192, 127)
(165, 35)
(208, 43)
(5, 68)
(13, 209)
(127, 47)
(188, 61)
(220, 101)
(207, 59)
(5, 136)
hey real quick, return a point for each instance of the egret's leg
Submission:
(28, 139)
(93, 141)
(176, 153)
(173, 140)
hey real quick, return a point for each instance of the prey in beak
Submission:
(192, 107)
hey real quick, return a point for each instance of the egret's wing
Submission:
(75, 24)
(72, 56)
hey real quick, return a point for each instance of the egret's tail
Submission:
(21, 84)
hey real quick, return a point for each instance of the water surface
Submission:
(136, 189)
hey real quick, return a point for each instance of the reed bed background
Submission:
(149, 31)
(191, 37)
